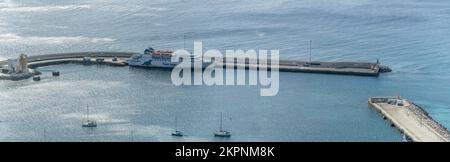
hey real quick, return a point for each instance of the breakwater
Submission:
(342, 68)
(61, 58)
(410, 119)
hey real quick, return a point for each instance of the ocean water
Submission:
(141, 105)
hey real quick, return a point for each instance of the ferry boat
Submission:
(161, 59)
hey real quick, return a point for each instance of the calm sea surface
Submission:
(141, 105)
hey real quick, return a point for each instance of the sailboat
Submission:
(221, 132)
(177, 132)
(89, 123)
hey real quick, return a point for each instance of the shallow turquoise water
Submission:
(409, 36)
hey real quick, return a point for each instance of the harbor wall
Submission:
(60, 56)
(109, 62)
(78, 55)
(341, 68)
(411, 120)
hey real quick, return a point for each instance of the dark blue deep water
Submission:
(137, 104)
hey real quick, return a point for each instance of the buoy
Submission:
(36, 78)
(55, 73)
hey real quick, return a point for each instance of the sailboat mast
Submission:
(184, 42)
(176, 123)
(132, 136)
(221, 121)
(88, 112)
(310, 42)
(45, 135)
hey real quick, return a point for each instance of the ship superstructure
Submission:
(161, 59)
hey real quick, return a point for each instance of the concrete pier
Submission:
(108, 61)
(57, 56)
(341, 68)
(109, 58)
(360, 71)
(410, 119)
(346, 68)
(65, 58)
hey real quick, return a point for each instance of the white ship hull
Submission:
(149, 61)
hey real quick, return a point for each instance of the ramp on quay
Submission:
(410, 119)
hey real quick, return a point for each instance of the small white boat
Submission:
(221, 132)
(89, 123)
(177, 132)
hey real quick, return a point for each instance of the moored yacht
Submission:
(221, 132)
(88, 122)
(177, 132)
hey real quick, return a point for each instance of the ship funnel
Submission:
(149, 50)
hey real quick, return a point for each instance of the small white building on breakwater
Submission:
(16, 69)
(18, 65)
